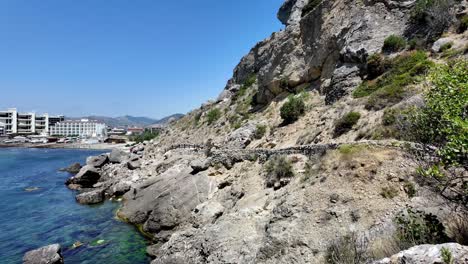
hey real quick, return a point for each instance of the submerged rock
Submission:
(73, 169)
(45, 255)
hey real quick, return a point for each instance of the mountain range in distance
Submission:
(133, 121)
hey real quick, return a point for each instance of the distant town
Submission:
(31, 128)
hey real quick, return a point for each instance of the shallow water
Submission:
(36, 209)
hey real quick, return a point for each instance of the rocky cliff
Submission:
(233, 182)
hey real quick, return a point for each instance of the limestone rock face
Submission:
(428, 254)
(87, 177)
(118, 156)
(242, 136)
(46, 255)
(314, 44)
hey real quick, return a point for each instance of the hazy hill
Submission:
(130, 121)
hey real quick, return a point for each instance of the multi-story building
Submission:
(27, 123)
(81, 128)
(2, 129)
(9, 118)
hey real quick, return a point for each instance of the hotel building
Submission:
(82, 128)
(15, 123)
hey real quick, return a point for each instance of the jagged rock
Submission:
(199, 165)
(45, 255)
(134, 163)
(97, 161)
(311, 46)
(73, 169)
(121, 188)
(242, 136)
(166, 201)
(91, 197)
(344, 80)
(87, 177)
(439, 43)
(118, 156)
(428, 254)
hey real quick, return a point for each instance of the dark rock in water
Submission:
(87, 177)
(118, 156)
(45, 255)
(97, 161)
(92, 197)
(73, 169)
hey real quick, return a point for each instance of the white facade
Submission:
(81, 128)
(27, 123)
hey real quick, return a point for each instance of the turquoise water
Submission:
(31, 219)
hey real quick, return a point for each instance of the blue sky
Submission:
(139, 57)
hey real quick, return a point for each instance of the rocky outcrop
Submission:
(118, 156)
(317, 42)
(97, 161)
(91, 197)
(429, 254)
(87, 177)
(46, 255)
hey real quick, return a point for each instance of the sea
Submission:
(37, 209)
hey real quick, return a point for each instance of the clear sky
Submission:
(138, 57)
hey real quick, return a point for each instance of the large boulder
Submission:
(87, 177)
(242, 136)
(97, 161)
(45, 255)
(118, 156)
(199, 165)
(92, 197)
(134, 164)
(428, 254)
(73, 169)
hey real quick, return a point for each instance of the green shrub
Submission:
(278, 169)
(463, 24)
(260, 131)
(443, 120)
(389, 117)
(389, 89)
(410, 189)
(346, 123)
(145, 136)
(310, 6)
(213, 115)
(446, 47)
(447, 256)
(349, 249)
(416, 228)
(394, 43)
(292, 109)
(389, 192)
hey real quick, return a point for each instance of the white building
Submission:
(27, 123)
(2, 129)
(79, 128)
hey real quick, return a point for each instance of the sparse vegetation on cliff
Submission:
(346, 123)
(292, 109)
